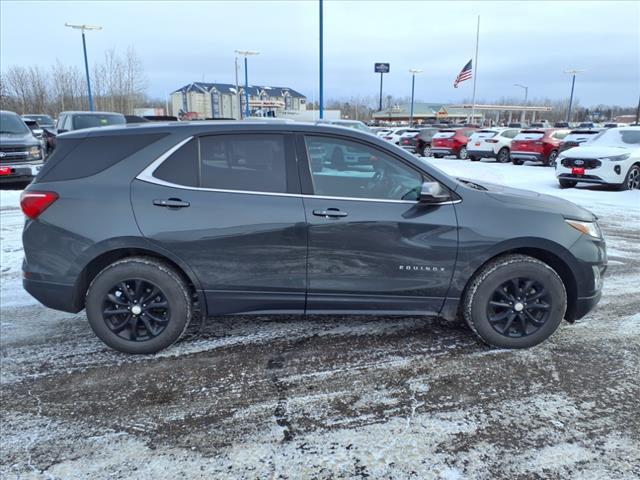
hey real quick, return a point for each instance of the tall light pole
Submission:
(245, 54)
(526, 95)
(414, 72)
(573, 84)
(321, 99)
(238, 98)
(84, 48)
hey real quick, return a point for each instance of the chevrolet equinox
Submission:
(142, 225)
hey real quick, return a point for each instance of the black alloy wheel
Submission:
(136, 310)
(519, 307)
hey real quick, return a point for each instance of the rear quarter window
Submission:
(76, 158)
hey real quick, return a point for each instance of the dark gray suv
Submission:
(144, 224)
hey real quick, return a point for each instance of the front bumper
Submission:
(19, 171)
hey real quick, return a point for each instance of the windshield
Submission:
(97, 120)
(10, 123)
(41, 119)
(618, 137)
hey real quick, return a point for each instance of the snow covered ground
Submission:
(337, 397)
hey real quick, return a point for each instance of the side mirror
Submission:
(432, 192)
(62, 130)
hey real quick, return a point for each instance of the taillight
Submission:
(34, 203)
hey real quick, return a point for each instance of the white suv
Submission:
(611, 158)
(491, 143)
(396, 133)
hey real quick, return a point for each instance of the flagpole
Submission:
(475, 73)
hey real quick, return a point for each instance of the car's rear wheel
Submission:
(503, 155)
(426, 151)
(138, 305)
(463, 154)
(632, 179)
(514, 301)
(551, 159)
(567, 183)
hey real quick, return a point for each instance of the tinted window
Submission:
(79, 158)
(243, 162)
(342, 168)
(181, 167)
(11, 123)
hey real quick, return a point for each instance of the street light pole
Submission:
(526, 95)
(245, 54)
(84, 49)
(413, 72)
(573, 84)
(321, 66)
(238, 98)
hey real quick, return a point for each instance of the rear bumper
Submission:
(536, 157)
(53, 295)
(482, 153)
(443, 151)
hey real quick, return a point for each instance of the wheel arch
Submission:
(554, 257)
(106, 256)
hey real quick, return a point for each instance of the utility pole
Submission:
(413, 72)
(84, 49)
(321, 99)
(573, 84)
(245, 54)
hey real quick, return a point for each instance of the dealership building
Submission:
(220, 100)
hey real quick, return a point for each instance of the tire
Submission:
(551, 159)
(426, 151)
(463, 154)
(567, 183)
(488, 285)
(438, 155)
(516, 161)
(632, 179)
(474, 158)
(125, 285)
(503, 155)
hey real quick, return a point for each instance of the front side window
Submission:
(342, 168)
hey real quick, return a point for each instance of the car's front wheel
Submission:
(138, 305)
(514, 301)
(426, 151)
(463, 154)
(551, 159)
(632, 179)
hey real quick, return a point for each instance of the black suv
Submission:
(420, 143)
(21, 153)
(142, 225)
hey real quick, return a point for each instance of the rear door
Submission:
(229, 207)
(372, 246)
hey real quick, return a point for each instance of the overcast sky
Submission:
(181, 42)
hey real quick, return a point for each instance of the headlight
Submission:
(34, 153)
(588, 228)
(616, 158)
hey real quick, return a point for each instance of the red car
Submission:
(539, 145)
(452, 141)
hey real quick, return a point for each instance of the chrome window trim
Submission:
(146, 175)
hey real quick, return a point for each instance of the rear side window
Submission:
(529, 136)
(445, 134)
(559, 135)
(255, 163)
(80, 158)
(243, 162)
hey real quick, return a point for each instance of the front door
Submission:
(372, 245)
(223, 205)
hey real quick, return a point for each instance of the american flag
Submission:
(465, 74)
